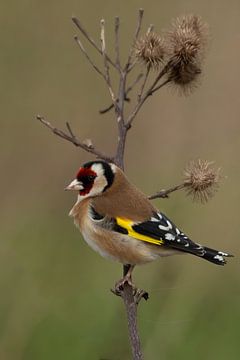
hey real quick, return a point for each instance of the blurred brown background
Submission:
(55, 301)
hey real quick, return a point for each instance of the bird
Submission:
(119, 222)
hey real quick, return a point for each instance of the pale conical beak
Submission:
(75, 185)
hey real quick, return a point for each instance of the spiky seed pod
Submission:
(201, 180)
(186, 48)
(150, 50)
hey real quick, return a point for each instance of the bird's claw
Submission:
(126, 280)
(138, 294)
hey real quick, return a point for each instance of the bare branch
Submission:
(110, 107)
(131, 310)
(144, 97)
(69, 129)
(144, 83)
(165, 193)
(160, 86)
(87, 56)
(138, 78)
(90, 40)
(74, 140)
(106, 66)
(127, 92)
(138, 28)
(117, 24)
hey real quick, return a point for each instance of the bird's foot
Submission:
(126, 280)
(138, 294)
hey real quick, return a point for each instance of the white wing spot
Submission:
(222, 253)
(160, 216)
(178, 240)
(169, 224)
(154, 219)
(187, 244)
(177, 231)
(165, 228)
(219, 257)
(169, 237)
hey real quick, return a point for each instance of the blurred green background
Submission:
(55, 301)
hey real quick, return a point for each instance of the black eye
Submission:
(91, 177)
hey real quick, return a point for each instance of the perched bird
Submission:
(118, 221)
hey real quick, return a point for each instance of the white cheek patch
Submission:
(99, 184)
(98, 169)
(100, 181)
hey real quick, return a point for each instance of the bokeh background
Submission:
(55, 301)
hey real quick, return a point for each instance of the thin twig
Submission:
(138, 78)
(69, 129)
(165, 193)
(138, 28)
(117, 24)
(90, 39)
(105, 110)
(144, 97)
(160, 86)
(106, 66)
(110, 107)
(87, 56)
(144, 83)
(74, 140)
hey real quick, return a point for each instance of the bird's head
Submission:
(93, 179)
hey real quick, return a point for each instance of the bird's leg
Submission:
(127, 278)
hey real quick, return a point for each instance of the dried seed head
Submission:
(187, 43)
(150, 50)
(201, 180)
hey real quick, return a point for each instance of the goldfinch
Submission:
(118, 221)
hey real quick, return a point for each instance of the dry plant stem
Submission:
(87, 56)
(129, 66)
(144, 96)
(131, 310)
(106, 66)
(144, 83)
(74, 140)
(122, 130)
(165, 193)
(129, 89)
(90, 40)
(117, 24)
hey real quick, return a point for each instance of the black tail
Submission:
(214, 256)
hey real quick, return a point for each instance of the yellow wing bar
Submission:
(127, 224)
